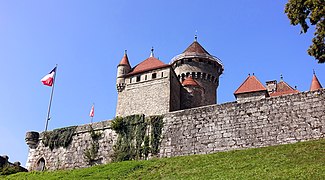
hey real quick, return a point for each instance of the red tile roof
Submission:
(195, 47)
(315, 84)
(149, 64)
(189, 81)
(125, 60)
(251, 84)
(282, 88)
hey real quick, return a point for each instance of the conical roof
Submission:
(125, 60)
(315, 84)
(189, 81)
(196, 48)
(251, 84)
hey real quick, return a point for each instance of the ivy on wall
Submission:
(91, 153)
(58, 137)
(132, 142)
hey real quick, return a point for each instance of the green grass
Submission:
(305, 160)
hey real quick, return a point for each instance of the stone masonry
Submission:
(266, 122)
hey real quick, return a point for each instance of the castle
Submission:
(184, 92)
(153, 87)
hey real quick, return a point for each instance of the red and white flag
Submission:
(92, 111)
(49, 78)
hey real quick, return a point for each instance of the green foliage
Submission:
(91, 153)
(58, 137)
(131, 131)
(156, 130)
(303, 160)
(298, 11)
(10, 169)
(132, 142)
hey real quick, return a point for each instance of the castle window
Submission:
(183, 76)
(154, 75)
(189, 60)
(138, 78)
(182, 61)
(204, 75)
(130, 80)
(162, 74)
(198, 74)
(145, 77)
(193, 74)
(187, 74)
(209, 76)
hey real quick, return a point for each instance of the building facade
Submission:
(153, 87)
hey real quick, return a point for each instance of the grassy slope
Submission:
(304, 160)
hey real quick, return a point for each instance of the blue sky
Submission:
(87, 40)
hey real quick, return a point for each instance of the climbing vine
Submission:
(58, 137)
(156, 123)
(132, 142)
(91, 153)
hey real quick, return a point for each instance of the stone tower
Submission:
(205, 70)
(123, 68)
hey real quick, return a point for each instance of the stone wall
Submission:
(266, 122)
(203, 130)
(148, 96)
(73, 156)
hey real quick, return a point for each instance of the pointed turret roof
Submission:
(189, 81)
(148, 64)
(251, 84)
(125, 60)
(315, 84)
(196, 48)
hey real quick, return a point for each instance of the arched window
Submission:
(193, 74)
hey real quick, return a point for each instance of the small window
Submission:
(187, 74)
(145, 77)
(190, 60)
(130, 80)
(204, 75)
(209, 76)
(154, 75)
(193, 74)
(138, 78)
(182, 61)
(162, 74)
(198, 74)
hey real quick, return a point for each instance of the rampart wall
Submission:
(209, 129)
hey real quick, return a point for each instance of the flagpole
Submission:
(50, 103)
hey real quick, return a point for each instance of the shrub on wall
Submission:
(132, 142)
(91, 153)
(58, 137)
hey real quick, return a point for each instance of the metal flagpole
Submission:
(49, 109)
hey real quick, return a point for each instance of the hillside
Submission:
(304, 160)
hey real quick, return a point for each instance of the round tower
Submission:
(204, 68)
(122, 69)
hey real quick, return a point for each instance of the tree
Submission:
(298, 11)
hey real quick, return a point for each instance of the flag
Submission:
(92, 111)
(48, 79)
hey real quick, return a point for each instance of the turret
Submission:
(315, 84)
(32, 139)
(204, 68)
(123, 68)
